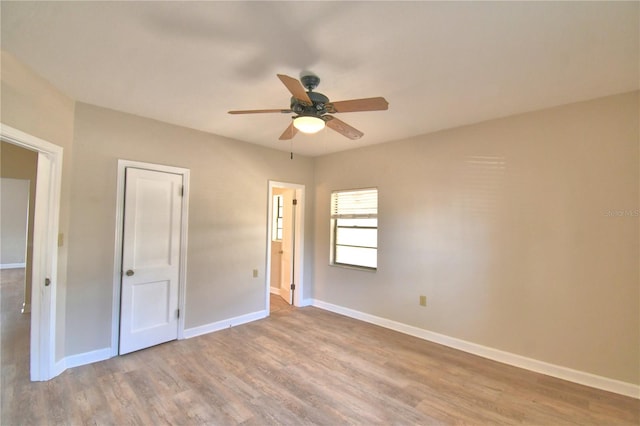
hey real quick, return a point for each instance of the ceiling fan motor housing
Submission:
(318, 107)
(310, 81)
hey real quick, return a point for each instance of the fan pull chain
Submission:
(291, 149)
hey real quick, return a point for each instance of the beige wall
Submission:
(227, 217)
(31, 104)
(504, 227)
(14, 208)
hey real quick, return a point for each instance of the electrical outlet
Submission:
(423, 300)
(255, 273)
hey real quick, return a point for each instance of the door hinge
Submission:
(295, 202)
(182, 191)
(178, 313)
(293, 286)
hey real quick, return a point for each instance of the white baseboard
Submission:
(274, 290)
(106, 353)
(59, 368)
(307, 302)
(82, 359)
(221, 325)
(520, 361)
(12, 265)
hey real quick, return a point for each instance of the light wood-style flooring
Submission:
(300, 366)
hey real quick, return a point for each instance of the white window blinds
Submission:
(354, 204)
(354, 228)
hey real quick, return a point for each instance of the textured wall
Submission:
(31, 104)
(522, 232)
(227, 218)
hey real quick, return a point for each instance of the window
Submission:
(278, 207)
(354, 228)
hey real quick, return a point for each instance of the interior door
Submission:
(150, 259)
(286, 270)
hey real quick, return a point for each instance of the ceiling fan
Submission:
(314, 110)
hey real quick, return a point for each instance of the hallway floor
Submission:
(14, 330)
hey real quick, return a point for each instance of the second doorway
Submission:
(286, 215)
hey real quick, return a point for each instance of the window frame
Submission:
(334, 217)
(278, 217)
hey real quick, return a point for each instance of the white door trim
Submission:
(45, 254)
(299, 233)
(122, 165)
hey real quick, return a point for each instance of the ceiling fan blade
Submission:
(342, 127)
(289, 132)
(260, 111)
(354, 105)
(295, 87)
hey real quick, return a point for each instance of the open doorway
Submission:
(285, 243)
(18, 171)
(44, 265)
(17, 194)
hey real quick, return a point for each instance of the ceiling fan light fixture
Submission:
(311, 109)
(308, 123)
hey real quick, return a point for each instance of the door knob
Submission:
(129, 273)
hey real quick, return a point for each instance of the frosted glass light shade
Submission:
(308, 124)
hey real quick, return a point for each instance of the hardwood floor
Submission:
(14, 337)
(300, 366)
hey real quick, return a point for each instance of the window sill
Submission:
(357, 268)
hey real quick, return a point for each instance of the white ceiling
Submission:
(439, 64)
